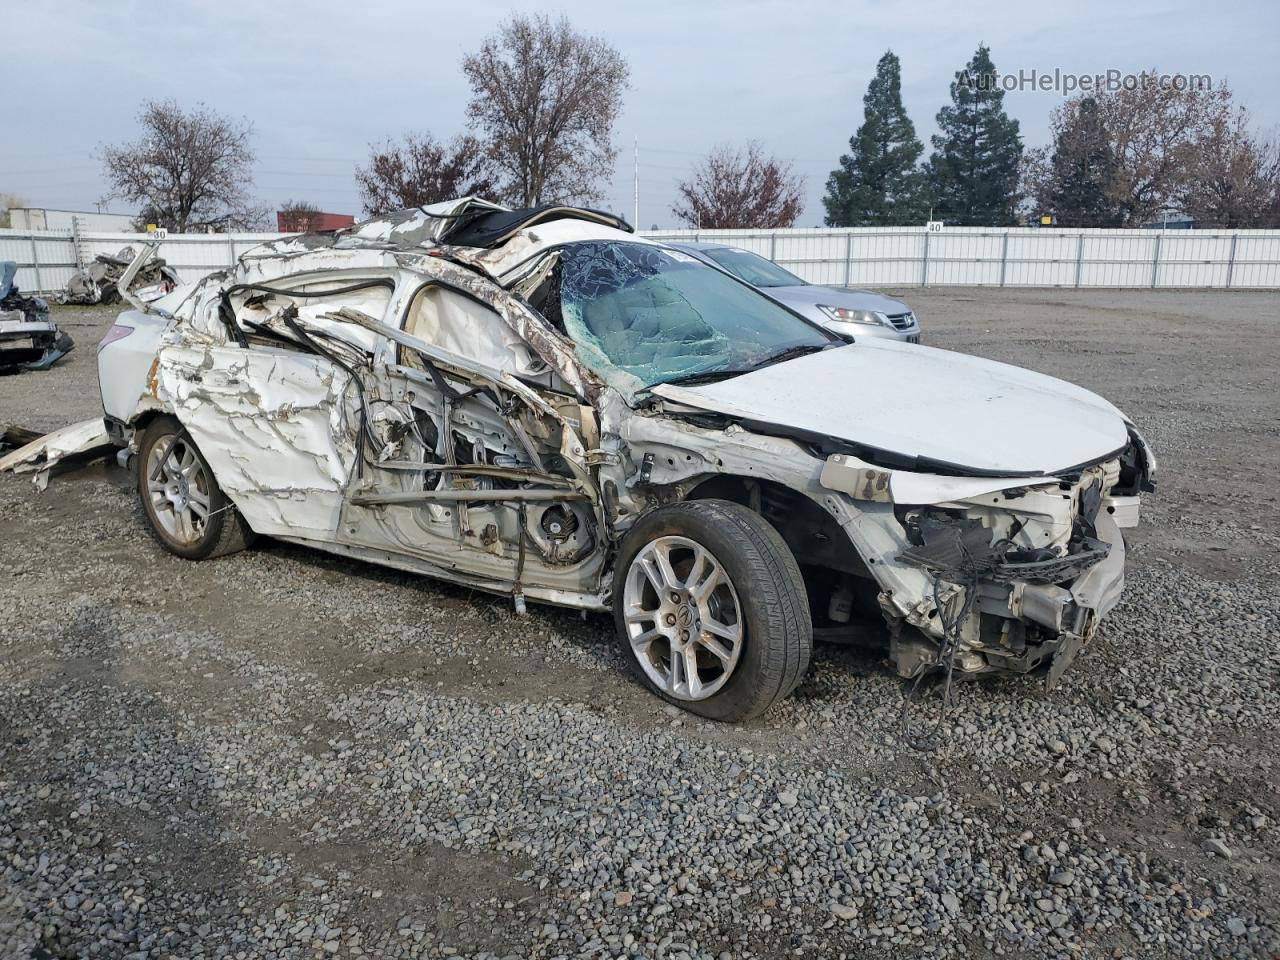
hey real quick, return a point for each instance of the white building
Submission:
(39, 218)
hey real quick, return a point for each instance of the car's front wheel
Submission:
(188, 511)
(711, 609)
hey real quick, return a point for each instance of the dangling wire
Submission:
(952, 614)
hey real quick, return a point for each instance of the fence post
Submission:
(1004, 256)
(35, 263)
(1155, 259)
(231, 251)
(1231, 259)
(848, 258)
(77, 244)
(773, 245)
(924, 264)
(1079, 258)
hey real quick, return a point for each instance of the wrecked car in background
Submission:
(99, 281)
(540, 404)
(29, 339)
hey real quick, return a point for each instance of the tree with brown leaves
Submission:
(1126, 157)
(1153, 130)
(7, 202)
(422, 170)
(190, 169)
(1234, 179)
(740, 188)
(544, 98)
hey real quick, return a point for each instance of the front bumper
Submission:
(987, 574)
(1025, 627)
(867, 331)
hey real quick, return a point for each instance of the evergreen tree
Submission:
(1082, 171)
(878, 183)
(973, 173)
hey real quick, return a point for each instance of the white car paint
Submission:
(917, 401)
(126, 361)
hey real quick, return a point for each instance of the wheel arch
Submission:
(810, 532)
(147, 413)
(223, 530)
(829, 562)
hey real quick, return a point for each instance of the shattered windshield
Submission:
(643, 315)
(753, 268)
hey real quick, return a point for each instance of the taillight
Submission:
(117, 331)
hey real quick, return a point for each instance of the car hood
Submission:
(813, 295)
(943, 410)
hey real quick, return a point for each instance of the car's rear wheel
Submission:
(188, 512)
(711, 609)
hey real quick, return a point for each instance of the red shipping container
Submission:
(300, 221)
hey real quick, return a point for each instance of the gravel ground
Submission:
(283, 754)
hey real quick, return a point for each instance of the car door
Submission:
(482, 468)
(277, 421)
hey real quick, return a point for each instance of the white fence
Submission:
(47, 258)
(860, 257)
(1012, 257)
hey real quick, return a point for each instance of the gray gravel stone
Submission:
(1217, 847)
(282, 754)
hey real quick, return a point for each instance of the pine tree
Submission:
(1082, 171)
(973, 173)
(878, 183)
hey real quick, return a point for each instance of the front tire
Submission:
(187, 510)
(711, 609)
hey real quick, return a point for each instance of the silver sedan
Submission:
(856, 314)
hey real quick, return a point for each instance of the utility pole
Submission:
(635, 212)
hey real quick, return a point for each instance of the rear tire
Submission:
(711, 610)
(187, 510)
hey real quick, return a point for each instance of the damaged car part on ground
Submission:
(40, 453)
(560, 411)
(29, 339)
(99, 282)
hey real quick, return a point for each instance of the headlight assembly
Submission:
(845, 315)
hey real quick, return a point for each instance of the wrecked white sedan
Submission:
(541, 404)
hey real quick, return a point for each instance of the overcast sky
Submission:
(321, 81)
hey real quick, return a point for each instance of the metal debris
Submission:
(98, 282)
(42, 454)
(29, 339)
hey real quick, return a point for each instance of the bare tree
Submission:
(422, 170)
(190, 169)
(740, 188)
(297, 216)
(7, 202)
(1234, 179)
(545, 98)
